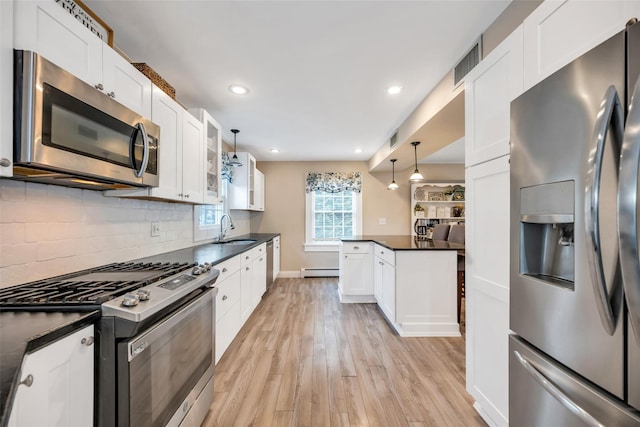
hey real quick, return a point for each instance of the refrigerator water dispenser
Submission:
(547, 248)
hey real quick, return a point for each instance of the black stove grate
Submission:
(70, 290)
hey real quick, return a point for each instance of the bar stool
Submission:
(440, 232)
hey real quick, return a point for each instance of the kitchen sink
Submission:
(236, 242)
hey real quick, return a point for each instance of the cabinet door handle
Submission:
(380, 262)
(247, 257)
(224, 297)
(356, 247)
(5, 163)
(99, 86)
(28, 381)
(247, 268)
(261, 259)
(87, 341)
(224, 270)
(186, 196)
(111, 94)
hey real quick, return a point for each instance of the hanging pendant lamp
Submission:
(416, 176)
(393, 185)
(234, 162)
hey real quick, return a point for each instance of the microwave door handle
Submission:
(145, 152)
(610, 114)
(557, 393)
(627, 211)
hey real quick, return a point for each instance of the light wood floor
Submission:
(304, 359)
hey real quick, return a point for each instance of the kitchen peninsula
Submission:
(412, 280)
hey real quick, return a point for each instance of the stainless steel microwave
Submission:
(66, 132)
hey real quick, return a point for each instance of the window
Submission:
(333, 209)
(206, 218)
(332, 215)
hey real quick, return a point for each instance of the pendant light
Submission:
(234, 162)
(416, 176)
(393, 185)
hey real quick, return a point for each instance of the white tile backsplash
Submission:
(49, 230)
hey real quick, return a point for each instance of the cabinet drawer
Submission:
(386, 254)
(250, 255)
(228, 267)
(356, 247)
(228, 294)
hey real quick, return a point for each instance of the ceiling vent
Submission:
(393, 140)
(466, 64)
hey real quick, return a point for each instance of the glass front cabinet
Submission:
(212, 156)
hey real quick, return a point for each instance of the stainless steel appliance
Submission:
(155, 339)
(68, 133)
(422, 226)
(575, 270)
(269, 263)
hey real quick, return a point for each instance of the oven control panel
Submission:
(141, 303)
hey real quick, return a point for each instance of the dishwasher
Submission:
(269, 263)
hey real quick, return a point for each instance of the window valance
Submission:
(334, 182)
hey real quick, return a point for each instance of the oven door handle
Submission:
(139, 344)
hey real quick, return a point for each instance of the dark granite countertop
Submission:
(23, 332)
(213, 253)
(409, 243)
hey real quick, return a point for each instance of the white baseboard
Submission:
(319, 272)
(289, 274)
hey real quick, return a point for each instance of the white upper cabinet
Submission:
(124, 83)
(6, 88)
(212, 152)
(489, 89)
(180, 156)
(558, 32)
(246, 186)
(47, 29)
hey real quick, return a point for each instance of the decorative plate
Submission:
(420, 195)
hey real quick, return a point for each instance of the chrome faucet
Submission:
(222, 229)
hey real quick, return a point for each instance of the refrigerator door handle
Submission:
(627, 211)
(610, 114)
(561, 397)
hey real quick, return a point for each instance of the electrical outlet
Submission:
(382, 221)
(155, 229)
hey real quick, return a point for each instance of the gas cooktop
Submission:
(87, 289)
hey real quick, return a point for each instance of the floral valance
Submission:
(334, 182)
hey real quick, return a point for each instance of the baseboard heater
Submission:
(319, 272)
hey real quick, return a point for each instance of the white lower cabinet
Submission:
(57, 384)
(228, 320)
(241, 284)
(487, 289)
(259, 278)
(385, 270)
(356, 276)
(276, 257)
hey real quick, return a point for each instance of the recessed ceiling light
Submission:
(274, 150)
(238, 90)
(358, 150)
(394, 90)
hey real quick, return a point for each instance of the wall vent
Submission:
(319, 272)
(466, 64)
(393, 140)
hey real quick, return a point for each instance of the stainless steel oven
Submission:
(68, 133)
(163, 370)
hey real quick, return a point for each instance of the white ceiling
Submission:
(317, 70)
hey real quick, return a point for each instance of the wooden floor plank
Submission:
(305, 359)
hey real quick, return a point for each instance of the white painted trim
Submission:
(322, 247)
(289, 274)
(309, 242)
(356, 299)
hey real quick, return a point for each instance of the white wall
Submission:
(48, 230)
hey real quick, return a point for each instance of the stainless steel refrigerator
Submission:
(575, 267)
